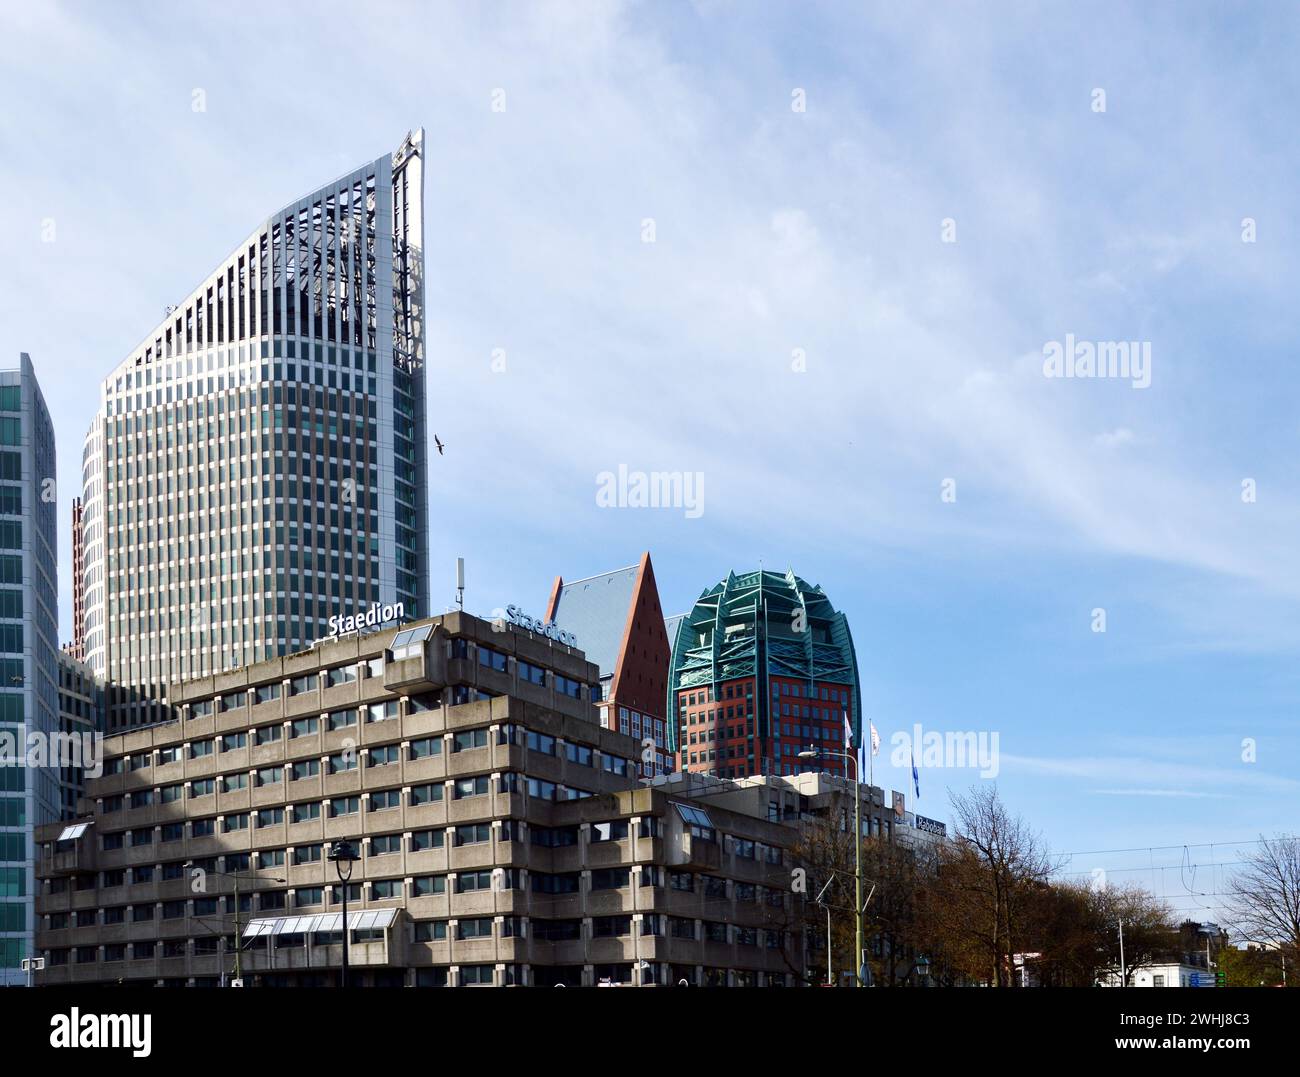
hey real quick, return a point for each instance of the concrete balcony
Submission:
(698, 854)
(78, 856)
(424, 672)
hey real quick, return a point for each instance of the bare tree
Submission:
(1265, 895)
(997, 868)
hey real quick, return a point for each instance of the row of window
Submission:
(711, 887)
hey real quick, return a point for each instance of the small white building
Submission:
(1169, 975)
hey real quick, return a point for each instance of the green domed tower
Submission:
(762, 669)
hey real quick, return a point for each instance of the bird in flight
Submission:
(438, 443)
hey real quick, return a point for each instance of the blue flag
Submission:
(916, 780)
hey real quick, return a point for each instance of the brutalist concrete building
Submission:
(502, 834)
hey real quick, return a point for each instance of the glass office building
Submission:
(29, 691)
(257, 464)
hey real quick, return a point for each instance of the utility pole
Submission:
(1123, 977)
(238, 941)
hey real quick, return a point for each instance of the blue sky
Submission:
(778, 230)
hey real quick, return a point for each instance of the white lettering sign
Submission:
(548, 629)
(372, 618)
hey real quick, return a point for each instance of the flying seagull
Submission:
(438, 443)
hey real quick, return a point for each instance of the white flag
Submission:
(875, 739)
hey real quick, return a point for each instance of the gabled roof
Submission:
(596, 611)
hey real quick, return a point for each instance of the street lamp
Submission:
(342, 852)
(813, 753)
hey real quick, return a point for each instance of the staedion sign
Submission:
(372, 618)
(550, 630)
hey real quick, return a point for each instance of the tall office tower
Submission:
(257, 464)
(29, 647)
(77, 648)
(762, 670)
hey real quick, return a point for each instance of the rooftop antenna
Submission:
(460, 584)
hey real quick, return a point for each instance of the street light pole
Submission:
(813, 753)
(341, 852)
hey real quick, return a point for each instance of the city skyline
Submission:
(800, 324)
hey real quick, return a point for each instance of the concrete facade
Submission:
(504, 837)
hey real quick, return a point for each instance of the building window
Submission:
(267, 693)
(340, 675)
(426, 885)
(308, 683)
(530, 673)
(341, 719)
(610, 927)
(614, 831)
(473, 834)
(304, 727)
(469, 738)
(471, 787)
(383, 755)
(381, 712)
(610, 878)
(385, 799)
(426, 794)
(471, 881)
(427, 839)
(540, 742)
(306, 854)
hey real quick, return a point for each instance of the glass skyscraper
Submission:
(29, 634)
(257, 464)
